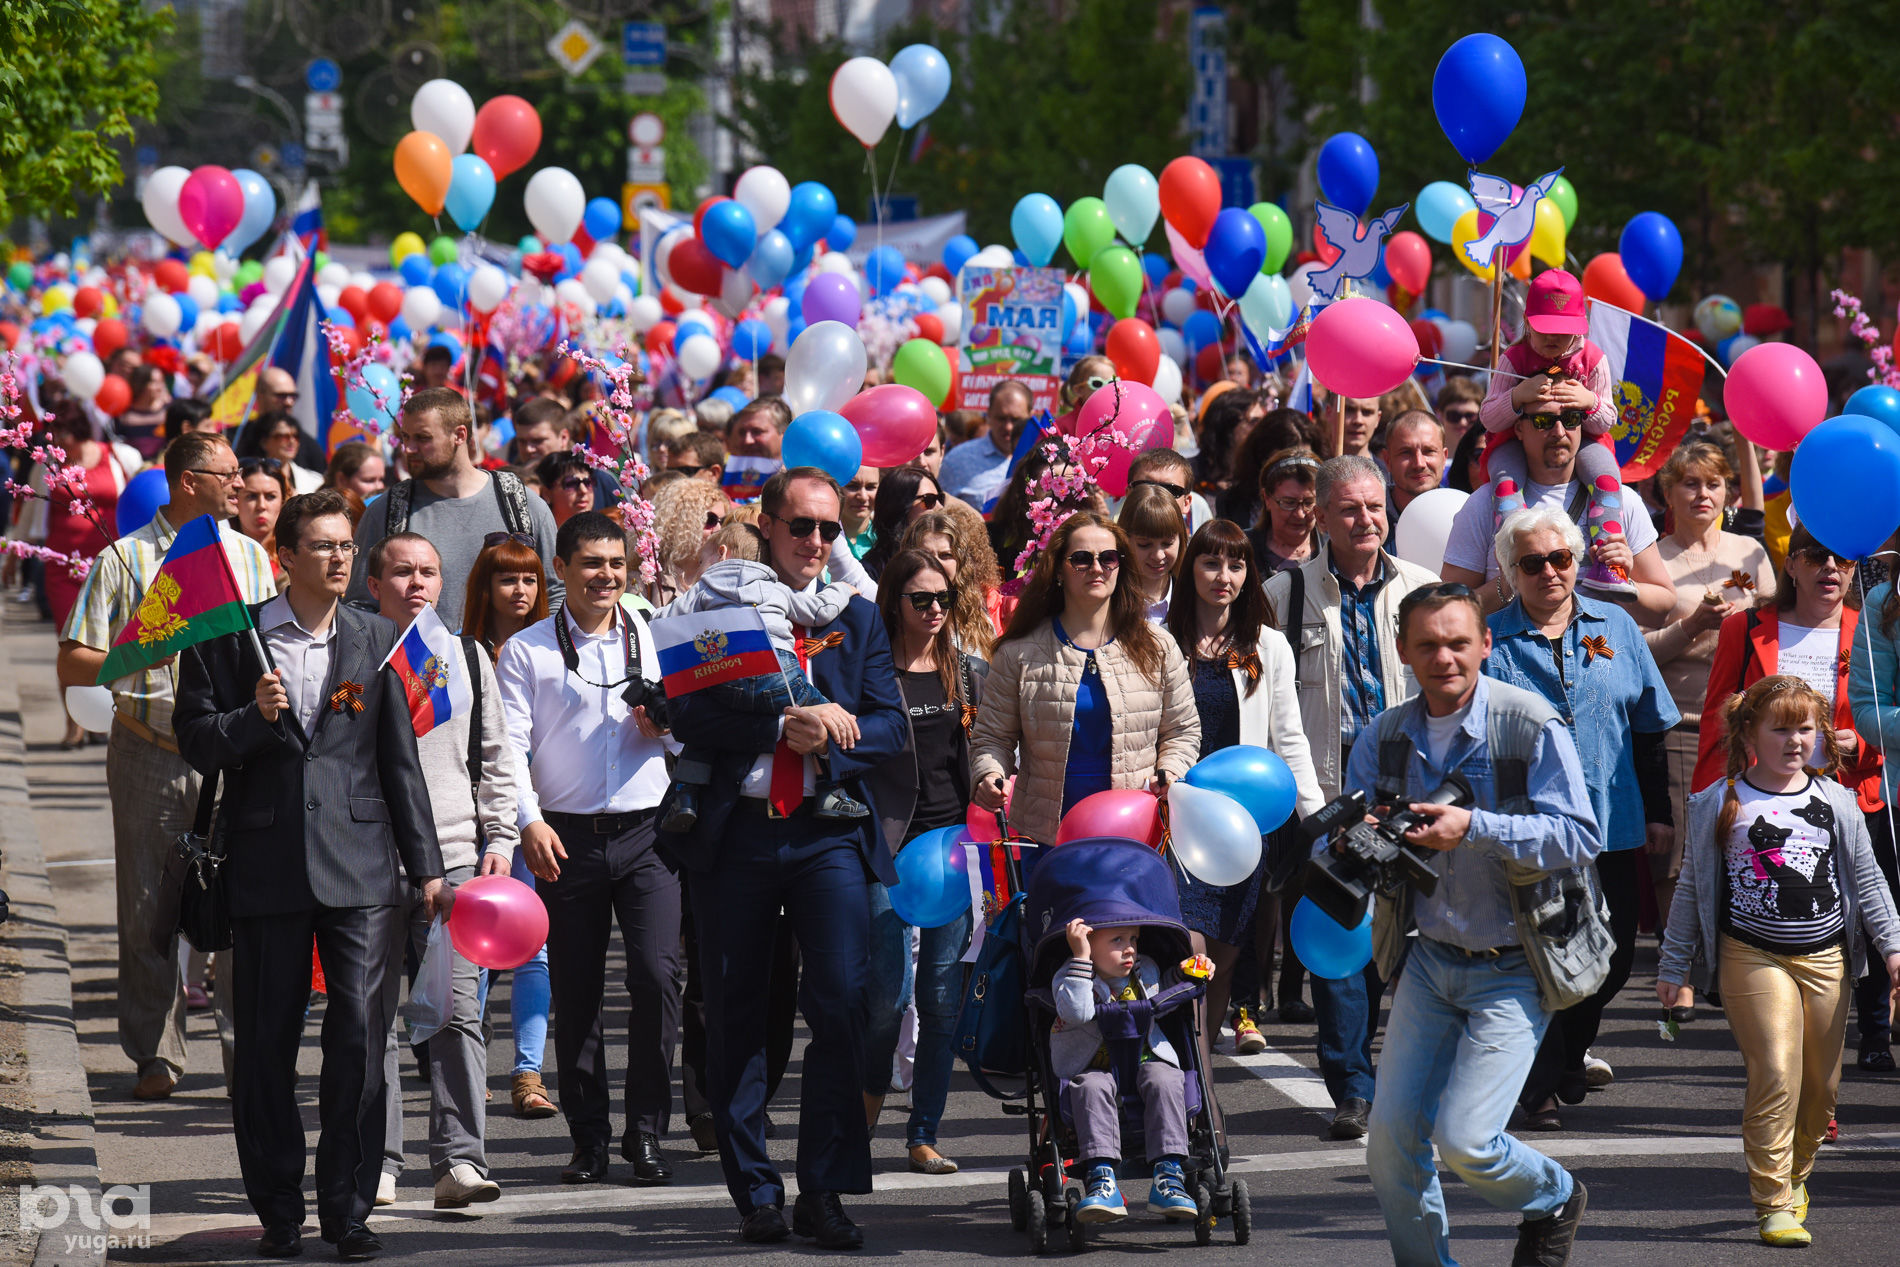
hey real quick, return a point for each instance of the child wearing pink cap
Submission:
(1561, 381)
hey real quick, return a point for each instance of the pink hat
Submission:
(1556, 304)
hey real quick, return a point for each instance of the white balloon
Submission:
(86, 325)
(1426, 526)
(83, 373)
(160, 200)
(765, 193)
(701, 321)
(1176, 306)
(444, 107)
(1167, 382)
(555, 203)
(699, 356)
(993, 257)
(644, 313)
(279, 272)
(420, 308)
(1173, 346)
(951, 315)
(825, 369)
(1737, 344)
(935, 289)
(736, 291)
(487, 287)
(840, 263)
(364, 282)
(225, 265)
(623, 295)
(329, 294)
(777, 318)
(1461, 340)
(203, 291)
(334, 274)
(1299, 288)
(161, 315)
(692, 301)
(90, 706)
(601, 279)
(1212, 834)
(207, 322)
(573, 292)
(251, 322)
(864, 97)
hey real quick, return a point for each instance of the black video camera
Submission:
(1367, 858)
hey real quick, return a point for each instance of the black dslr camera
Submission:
(1367, 858)
(640, 691)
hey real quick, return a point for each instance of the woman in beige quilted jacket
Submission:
(1084, 693)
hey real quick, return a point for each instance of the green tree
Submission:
(74, 74)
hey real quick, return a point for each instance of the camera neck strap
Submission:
(571, 659)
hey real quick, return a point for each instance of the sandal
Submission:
(531, 1097)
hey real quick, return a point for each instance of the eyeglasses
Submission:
(1534, 564)
(1821, 556)
(1296, 505)
(494, 539)
(929, 501)
(325, 549)
(828, 530)
(1461, 417)
(1082, 560)
(575, 484)
(687, 471)
(223, 477)
(289, 395)
(1173, 490)
(251, 466)
(924, 600)
(1572, 420)
(714, 520)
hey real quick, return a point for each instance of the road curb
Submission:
(63, 1151)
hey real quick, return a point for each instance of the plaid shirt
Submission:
(111, 595)
(1362, 686)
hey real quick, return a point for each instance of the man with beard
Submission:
(451, 501)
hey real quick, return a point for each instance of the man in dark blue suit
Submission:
(751, 856)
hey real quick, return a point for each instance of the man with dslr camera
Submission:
(1478, 989)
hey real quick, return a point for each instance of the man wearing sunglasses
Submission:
(976, 470)
(765, 850)
(1168, 470)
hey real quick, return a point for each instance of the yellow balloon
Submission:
(56, 299)
(1464, 230)
(1548, 234)
(203, 265)
(405, 245)
(108, 305)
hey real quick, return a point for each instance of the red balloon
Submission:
(696, 269)
(699, 215)
(1129, 813)
(115, 395)
(981, 824)
(1326, 250)
(670, 303)
(352, 338)
(1134, 349)
(172, 276)
(87, 301)
(1190, 198)
(1604, 278)
(894, 423)
(10, 335)
(940, 272)
(929, 326)
(354, 301)
(660, 338)
(507, 133)
(107, 337)
(498, 922)
(1408, 257)
(385, 302)
(1210, 363)
(1431, 339)
(955, 399)
(226, 342)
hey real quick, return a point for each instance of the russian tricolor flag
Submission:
(434, 679)
(702, 649)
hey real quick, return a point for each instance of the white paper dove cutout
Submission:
(1514, 219)
(1358, 247)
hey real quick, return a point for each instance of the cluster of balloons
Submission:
(433, 165)
(867, 95)
(210, 206)
(836, 426)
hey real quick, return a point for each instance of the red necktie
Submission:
(787, 792)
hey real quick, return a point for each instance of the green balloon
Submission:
(20, 275)
(530, 245)
(323, 260)
(442, 250)
(1115, 277)
(1086, 229)
(1279, 232)
(249, 271)
(921, 364)
(1564, 194)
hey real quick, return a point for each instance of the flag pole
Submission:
(250, 626)
(1497, 304)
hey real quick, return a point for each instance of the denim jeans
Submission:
(532, 996)
(1460, 1039)
(1348, 1015)
(887, 989)
(935, 981)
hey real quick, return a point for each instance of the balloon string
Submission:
(1463, 365)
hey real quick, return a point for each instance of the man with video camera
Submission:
(1509, 925)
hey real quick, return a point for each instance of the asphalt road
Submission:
(1659, 1150)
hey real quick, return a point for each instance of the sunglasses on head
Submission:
(1173, 490)
(1572, 420)
(924, 600)
(828, 530)
(1534, 564)
(251, 466)
(1820, 555)
(1082, 560)
(929, 501)
(494, 539)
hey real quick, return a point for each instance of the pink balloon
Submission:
(1775, 394)
(211, 202)
(1156, 434)
(1361, 348)
(894, 422)
(1129, 813)
(497, 922)
(981, 824)
(1187, 259)
(1124, 407)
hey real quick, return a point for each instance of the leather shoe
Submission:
(1351, 1120)
(1296, 1012)
(155, 1085)
(649, 1163)
(821, 1216)
(280, 1240)
(764, 1226)
(587, 1165)
(705, 1134)
(357, 1243)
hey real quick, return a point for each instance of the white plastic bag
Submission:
(432, 994)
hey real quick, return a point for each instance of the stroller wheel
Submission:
(1243, 1213)
(1204, 1224)
(1038, 1221)
(1078, 1231)
(1019, 1198)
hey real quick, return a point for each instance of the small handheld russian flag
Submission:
(702, 649)
(434, 679)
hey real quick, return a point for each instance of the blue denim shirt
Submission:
(1604, 699)
(1472, 906)
(1362, 686)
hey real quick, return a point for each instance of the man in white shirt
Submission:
(576, 688)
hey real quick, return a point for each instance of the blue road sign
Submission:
(291, 156)
(643, 43)
(322, 75)
(1236, 180)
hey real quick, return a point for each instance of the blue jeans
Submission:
(935, 981)
(1461, 1038)
(1348, 1014)
(528, 1004)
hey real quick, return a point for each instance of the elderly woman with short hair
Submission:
(1588, 658)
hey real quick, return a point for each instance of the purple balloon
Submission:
(829, 297)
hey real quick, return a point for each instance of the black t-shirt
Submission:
(943, 773)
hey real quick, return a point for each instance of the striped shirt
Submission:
(111, 596)
(1784, 893)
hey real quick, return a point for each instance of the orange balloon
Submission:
(1605, 278)
(424, 168)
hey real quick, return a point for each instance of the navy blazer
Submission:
(859, 677)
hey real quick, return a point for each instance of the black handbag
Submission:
(191, 897)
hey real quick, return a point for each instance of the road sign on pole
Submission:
(322, 75)
(643, 44)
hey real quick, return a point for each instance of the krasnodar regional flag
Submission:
(434, 678)
(702, 649)
(193, 598)
(1658, 375)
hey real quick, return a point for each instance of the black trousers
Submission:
(1870, 992)
(608, 878)
(1573, 1030)
(270, 965)
(781, 1013)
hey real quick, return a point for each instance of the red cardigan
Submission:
(1736, 669)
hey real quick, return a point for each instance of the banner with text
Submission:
(1012, 328)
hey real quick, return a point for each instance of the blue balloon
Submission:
(228, 302)
(1348, 172)
(140, 499)
(1878, 402)
(1254, 776)
(570, 257)
(1069, 314)
(260, 209)
(923, 81)
(471, 191)
(751, 339)
(443, 339)
(771, 261)
(1036, 224)
(1200, 329)
(843, 232)
(1236, 248)
(732, 396)
(187, 311)
(825, 440)
(399, 329)
(957, 252)
(1329, 951)
(801, 260)
(415, 269)
(451, 285)
(728, 232)
(795, 326)
(795, 294)
(1478, 95)
(601, 219)
(375, 395)
(1022, 261)
(884, 269)
(1156, 267)
(340, 317)
(1079, 341)
(1652, 253)
(1846, 484)
(809, 215)
(933, 875)
(1439, 205)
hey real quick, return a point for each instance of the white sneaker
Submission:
(462, 1186)
(1597, 1073)
(386, 1189)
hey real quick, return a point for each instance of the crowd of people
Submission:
(1680, 713)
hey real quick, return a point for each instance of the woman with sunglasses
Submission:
(283, 440)
(566, 483)
(262, 491)
(942, 687)
(1085, 693)
(1588, 658)
(902, 496)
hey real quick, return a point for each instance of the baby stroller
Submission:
(1109, 882)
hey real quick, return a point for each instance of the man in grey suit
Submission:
(324, 811)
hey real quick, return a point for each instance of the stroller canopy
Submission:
(1105, 881)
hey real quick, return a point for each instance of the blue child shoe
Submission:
(1169, 1196)
(1102, 1203)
